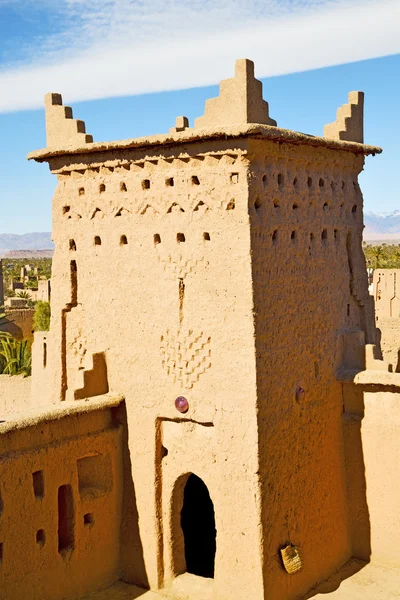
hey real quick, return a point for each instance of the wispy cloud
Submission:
(123, 47)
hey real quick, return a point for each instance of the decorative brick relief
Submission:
(185, 356)
(179, 265)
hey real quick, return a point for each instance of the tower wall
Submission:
(310, 284)
(214, 277)
(158, 297)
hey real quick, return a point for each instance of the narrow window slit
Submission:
(180, 238)
(123, 240)
(72, 245)
(157, 239)
(38, 484)
(102, 188)
(195, 180)
(66, 537)
(88, 519)
(123, 187)
(97, 240)
(146, 184)
(169, 182)
(73, 271)
(40, 537)
(206, 236)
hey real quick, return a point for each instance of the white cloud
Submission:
(123, 47)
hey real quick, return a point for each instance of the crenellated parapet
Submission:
(61, 128)
(349, 124)
(240, 100)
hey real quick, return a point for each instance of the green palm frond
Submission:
(15, 355)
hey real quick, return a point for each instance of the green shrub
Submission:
(41, 316)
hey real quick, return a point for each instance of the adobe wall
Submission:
(380, 429)
(389, 330)
(60, 492)
(309, 283)
(15, 394)
(162, 317)
(386, 285)
(371, 421)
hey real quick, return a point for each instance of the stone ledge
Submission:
(369, 377)
(35, 416)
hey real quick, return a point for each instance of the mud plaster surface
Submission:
(372, 582)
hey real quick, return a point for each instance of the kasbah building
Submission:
(208, 417)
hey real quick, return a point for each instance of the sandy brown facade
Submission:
(236, 291)
(386, 286)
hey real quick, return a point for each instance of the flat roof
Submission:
(249, 130)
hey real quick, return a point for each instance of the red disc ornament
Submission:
(181, 404)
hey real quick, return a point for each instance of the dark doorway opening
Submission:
(198, 525)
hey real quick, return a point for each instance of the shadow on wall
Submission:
(359, 521)
(133, 569)
(333, 583)
(378, 341)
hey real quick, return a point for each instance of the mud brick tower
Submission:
(207, 276)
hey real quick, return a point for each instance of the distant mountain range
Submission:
(384, 227)
(12, 244)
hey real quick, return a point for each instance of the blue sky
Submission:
(129, 67)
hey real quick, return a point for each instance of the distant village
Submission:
(22, 286)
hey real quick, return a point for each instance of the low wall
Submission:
(380, 431)
(60, 501)
(15, 394)
(390, 341)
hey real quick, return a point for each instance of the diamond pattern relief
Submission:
(185, 356)
(179, 265)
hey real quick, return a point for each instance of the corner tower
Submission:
(206, 276)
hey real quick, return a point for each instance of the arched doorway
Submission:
(198, 526)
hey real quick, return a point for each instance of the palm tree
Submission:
(15, 355)
(378, 254)
(25, 295)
